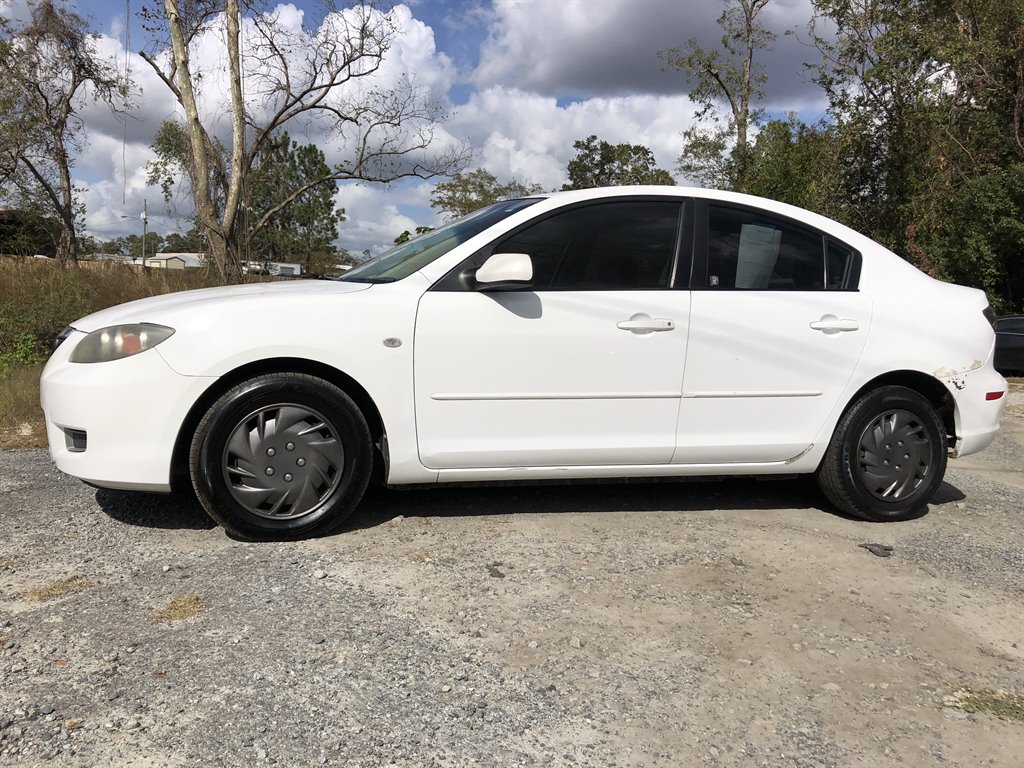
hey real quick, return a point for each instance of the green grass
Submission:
(1005, 706)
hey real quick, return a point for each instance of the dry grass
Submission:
(179, 608)
(58, 589)
(21, 418)
(1005, 706)
(38, 298)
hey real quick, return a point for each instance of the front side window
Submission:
(627, 245)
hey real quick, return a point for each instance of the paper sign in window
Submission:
(759, 250)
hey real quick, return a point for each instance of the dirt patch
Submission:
(58, 589)
(179, 608)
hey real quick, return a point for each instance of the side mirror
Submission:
(505, 272)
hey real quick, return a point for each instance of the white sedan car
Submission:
(618, 332)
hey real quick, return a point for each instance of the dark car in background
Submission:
(1009, 356)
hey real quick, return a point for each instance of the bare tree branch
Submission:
(328, 80)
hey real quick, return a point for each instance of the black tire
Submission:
(281, 456)
(887, 456)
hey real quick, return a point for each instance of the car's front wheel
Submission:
(281, 456)
(887, 456)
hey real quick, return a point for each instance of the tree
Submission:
(469, 191)
(190, 242)
(49, 64)
(24, 233)
(131, 246)
(305, 230)
(927, 103)
(117, 246)
(716, 150)
(876, 74)
(600, 164)
(89, 245)
(323, 79)
(796, 163)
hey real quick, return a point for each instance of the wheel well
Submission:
(927, 386)
(344, 382)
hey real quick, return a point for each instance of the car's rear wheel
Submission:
(281, 456)
(887, 456)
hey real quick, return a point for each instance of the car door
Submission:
(776, 330)
(584, 367)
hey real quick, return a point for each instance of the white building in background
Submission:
(174, 260)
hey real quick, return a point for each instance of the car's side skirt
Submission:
(806, 462)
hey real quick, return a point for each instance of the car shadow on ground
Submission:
(381, 505)
(180, 511)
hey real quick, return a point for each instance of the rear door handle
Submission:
(642, 323)
(831, 324)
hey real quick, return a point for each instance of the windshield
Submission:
(402, 260)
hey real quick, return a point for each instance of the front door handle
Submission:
(642, 323)
(831, 324)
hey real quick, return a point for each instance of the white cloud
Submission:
(587, 48)
(111, 167)
(373, 216)
(549, 73)
(530, 136)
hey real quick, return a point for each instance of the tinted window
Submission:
(608, 246)
(750, 250)
(842, 267)
(1010, 324)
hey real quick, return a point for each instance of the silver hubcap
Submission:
(895, 456)
(283, 461)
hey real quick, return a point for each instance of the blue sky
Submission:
(521, 80)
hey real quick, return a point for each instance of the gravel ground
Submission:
(653, 624)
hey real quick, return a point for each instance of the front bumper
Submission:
(115, 424)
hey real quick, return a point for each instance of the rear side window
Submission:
(756, 251)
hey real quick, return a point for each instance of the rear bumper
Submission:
(977, 418)
(115, 424)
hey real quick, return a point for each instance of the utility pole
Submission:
(145, 232)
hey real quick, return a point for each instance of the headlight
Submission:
(119, 341)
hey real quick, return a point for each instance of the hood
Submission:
(165, 308)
